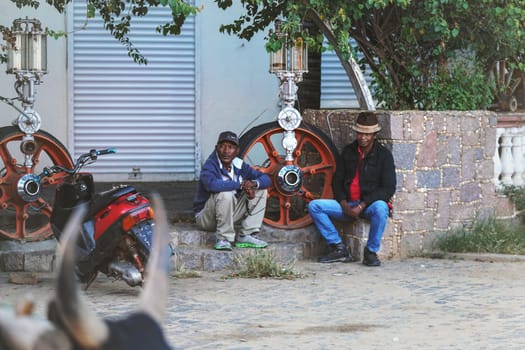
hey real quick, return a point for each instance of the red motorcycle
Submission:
(116, 233)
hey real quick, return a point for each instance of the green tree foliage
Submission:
(118, 15)
(411, 47)
(415, 49)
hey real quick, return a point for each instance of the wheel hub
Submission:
(297, 182)
(28, 187)
(289, 180)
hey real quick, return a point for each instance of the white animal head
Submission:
(72, 325)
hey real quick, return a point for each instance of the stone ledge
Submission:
(27, 256)
(355, 235)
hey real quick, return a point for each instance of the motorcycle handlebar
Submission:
(106, 151)
(82, 160)
(93, 154)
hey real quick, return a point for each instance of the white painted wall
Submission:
(235, 86)
(51, 100)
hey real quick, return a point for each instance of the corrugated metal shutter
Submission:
(336, 89)
(147, 111)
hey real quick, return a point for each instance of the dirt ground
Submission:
(410, 304)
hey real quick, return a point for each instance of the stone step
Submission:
(193, 249)
(209, 259)
(187, 234)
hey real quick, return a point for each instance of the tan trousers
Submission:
(223, 212)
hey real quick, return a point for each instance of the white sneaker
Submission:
(249, 241)
(222, 244)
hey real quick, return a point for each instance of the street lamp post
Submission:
(289, 64)
(27, 60)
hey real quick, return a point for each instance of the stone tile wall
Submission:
(445, 170)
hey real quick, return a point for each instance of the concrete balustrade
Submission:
(509, 156)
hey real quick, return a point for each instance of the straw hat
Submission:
(366, 123)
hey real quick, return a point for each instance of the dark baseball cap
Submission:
(229, 136)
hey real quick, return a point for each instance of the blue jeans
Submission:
(323, 211)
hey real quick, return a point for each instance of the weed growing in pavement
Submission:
(180, 271)
(262, 264)
(485, 236)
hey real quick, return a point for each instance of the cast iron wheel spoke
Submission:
(317, 168)
(285, 212)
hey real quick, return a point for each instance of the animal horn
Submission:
(154, 296)
(81, 323)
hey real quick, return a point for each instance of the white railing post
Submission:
(517, 156)
(507, 165)
(497, 159)
(521, 156)
(509, 157)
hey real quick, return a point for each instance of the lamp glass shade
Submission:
(36, 52)
(28, 53)
(299, 56)
(14, 54)
(278, 61)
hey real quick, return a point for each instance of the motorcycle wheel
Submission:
(22, 219)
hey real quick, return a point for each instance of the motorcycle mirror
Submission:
(93, 154)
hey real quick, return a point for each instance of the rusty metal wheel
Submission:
(296, 183)
(21, 217)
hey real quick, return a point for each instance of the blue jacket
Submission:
(211, 179)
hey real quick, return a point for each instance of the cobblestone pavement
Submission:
(410, 304)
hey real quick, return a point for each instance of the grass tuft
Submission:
(485, 236)
(180, 271)
(262, 264)
(517, 197)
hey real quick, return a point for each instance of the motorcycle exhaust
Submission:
(127, 271)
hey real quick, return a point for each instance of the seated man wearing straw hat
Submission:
(363, 183)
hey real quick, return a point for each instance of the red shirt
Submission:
(354, 188)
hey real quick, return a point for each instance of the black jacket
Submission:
(377, 174)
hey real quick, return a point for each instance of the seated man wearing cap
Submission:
(231, 194)
(363, 183)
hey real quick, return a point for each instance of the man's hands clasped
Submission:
(249, 188)
(354, 211)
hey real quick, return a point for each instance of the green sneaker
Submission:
(222, 244)
(249, 241)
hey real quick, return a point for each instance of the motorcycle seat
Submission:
(102, 199)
